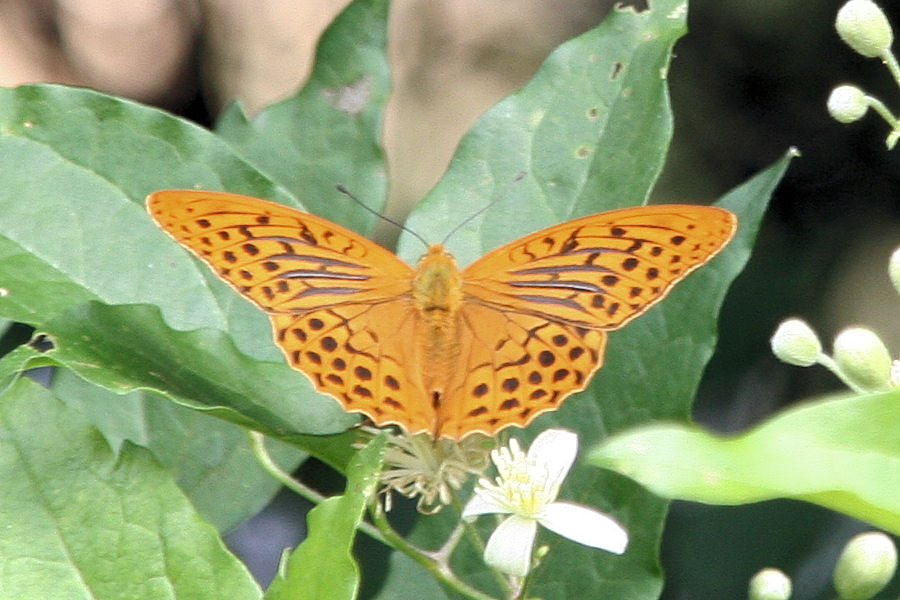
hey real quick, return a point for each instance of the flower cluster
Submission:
(862, 25)
(416, 466)
(860, 359)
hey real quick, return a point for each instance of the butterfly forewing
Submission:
(602, 270)
(280, 258)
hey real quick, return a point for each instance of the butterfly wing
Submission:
(516, 366)
(536, 309)
(339, 303)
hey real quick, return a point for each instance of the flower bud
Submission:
(795, 343)
(892, 139)
(847, 103)
(770, 584)
(863, 359)
(895, 374)
(894, 269)
(866, 565)
(863, 26)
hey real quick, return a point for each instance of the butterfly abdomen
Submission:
(437, 296)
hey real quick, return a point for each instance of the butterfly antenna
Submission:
(484, 208)
(400, 226)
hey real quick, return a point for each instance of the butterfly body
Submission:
(437, 297)
(437, 348)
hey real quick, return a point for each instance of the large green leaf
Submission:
(78, 520)
(210, 458)
(126, 348)
(838, 453)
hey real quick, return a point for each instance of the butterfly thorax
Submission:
(437, 296)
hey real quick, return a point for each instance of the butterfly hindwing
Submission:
(516, 366)
(361, 355)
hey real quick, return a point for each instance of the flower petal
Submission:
(585, 526)
(480, 504)
(555, 451)
(509, 548)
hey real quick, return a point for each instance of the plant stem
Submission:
(828, 362)
(890, 61)
(440, 571)
(258, 444)
(882, 110)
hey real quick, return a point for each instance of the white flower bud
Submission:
(866, 565)
(770, 584)
(894, 269)
(847, 103)
(795, 343)
(863, 26)
(863, 359)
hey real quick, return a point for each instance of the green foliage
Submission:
(332, 529)
(142, 332)
(837, 453)
(78, 520)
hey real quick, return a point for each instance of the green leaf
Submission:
(837, 453)
(126, 348)
(329, 132)
(17, 360)
(322, 566)
(80, 163)
(79, 521)
(209, 458)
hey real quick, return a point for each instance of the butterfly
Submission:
(436, 348)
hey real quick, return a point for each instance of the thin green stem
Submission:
(440, 571)
(890, 61)
(829, 363)
(258, 444)
(523, 591)
(882, 110)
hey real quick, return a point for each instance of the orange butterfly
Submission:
(437, 349)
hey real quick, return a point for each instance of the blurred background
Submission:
(748, 81)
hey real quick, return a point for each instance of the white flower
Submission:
(526, 490)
